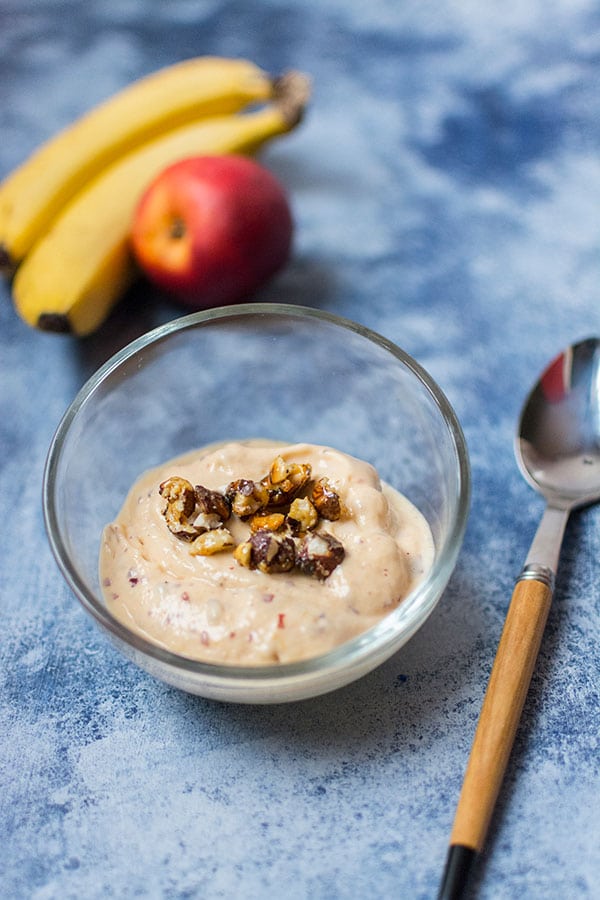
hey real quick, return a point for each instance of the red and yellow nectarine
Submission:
(211, 230)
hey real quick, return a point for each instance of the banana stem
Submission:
(291, 93)
(7, 267)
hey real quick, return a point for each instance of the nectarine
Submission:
(211, 230)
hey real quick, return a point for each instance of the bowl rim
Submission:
(380, 638)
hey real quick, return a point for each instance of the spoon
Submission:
(557, 446)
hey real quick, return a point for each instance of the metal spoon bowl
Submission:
(558, 440)
(557, 446)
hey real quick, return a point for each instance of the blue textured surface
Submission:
(446, 187)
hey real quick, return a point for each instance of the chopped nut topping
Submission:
(326, 500)
(189, 510)
(197, 514)
(206, 522)
(243, 554)
(212, 542)
(271, 553)
(319, 554)
(278, 470)
(212, 503)
(247, 497)
(302, 515)
(268, 522)
(181, 504)
(285, 481)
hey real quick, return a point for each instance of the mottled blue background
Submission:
(446, 187)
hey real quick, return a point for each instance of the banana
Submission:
(33, 194)
(77, 272)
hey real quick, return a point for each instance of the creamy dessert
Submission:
(255, 553)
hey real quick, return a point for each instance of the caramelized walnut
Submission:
(198, 515)
(285, 481)
(326, 500)
(320, 553)
(278, 470)
(267, 521)
(246, 497)
(267, 551)
(302, 515)
(181, 503)
(213, 541)
(212, 503)
(243, 554)
(272, 553)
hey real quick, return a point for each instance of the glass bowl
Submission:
(271, 371)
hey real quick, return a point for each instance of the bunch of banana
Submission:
(66, 213)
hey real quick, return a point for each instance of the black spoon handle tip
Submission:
(459, 865)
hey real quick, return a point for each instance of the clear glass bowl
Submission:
(258, 370)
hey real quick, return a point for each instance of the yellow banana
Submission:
(76, 273)
(34, 193)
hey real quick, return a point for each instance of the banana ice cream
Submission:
(256, 553)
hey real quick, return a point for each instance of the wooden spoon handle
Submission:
(501, 711)
(498, 721)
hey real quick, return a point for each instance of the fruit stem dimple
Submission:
(177, 229)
